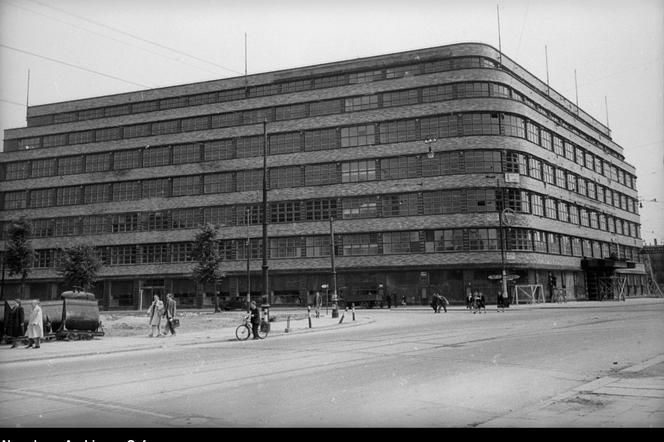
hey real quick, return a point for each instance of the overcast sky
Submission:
(84, 48)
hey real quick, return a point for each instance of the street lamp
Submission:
(335, 307)
(325, 287)
(247, 251)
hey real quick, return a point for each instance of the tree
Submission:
(80, 265)
(20, 255)
(205, 254)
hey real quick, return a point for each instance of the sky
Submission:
(606, 54)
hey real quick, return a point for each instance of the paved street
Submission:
(579, 364)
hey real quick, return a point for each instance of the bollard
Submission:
(309, 315)
(287, 325)
(352, 309)
(342, 318)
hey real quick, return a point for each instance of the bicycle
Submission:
(243, 331)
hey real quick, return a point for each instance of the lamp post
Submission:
(247, 251)
(335, 306)
(325, 286)
(266, 292)
(500, 210)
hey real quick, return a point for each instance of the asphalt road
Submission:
(405, 369)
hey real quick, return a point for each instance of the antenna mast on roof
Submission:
(576, 88)
(546, 59)
(246, 85)
(500, 49)
(606, 106)
(27, 98)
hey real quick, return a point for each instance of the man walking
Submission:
(169, 313)
(35, 325)
(255, 319)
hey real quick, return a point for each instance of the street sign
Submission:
(507, 277)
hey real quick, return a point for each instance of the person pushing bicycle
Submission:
(255, 318)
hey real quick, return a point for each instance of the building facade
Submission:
(413, 155)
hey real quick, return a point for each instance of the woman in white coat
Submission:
(155, 312)
(35, 325)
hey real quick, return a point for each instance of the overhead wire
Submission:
(110, 38)
(177, 51)
(74, 66)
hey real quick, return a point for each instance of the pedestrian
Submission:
(394, 297)
(169, 314)
(15, 327)
(443, 303)
(318, 302)
(500, 305)
(434, 303)
(389, 301)
(35, 325)
(255, 318)
(403, 300)
(155, 312)
(469, 297)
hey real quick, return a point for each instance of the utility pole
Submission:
(266, 291)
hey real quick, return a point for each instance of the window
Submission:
(70, 165)
(54, 140)
(219, 215)
(573, 214)
(520, 239)
(295, 86)
(137, 130)
(320, 210)
(553, 243)
(357, 171)
(482, 239)
(438, 93)
(559, 147)
(399, 205)
(330, 81)
(536, 206)
(98, 162)
(125, 223)
(439, 127)
(290, 112)
(67, 196)
(145, 106)
(285, 143)
(185, 218)
(196, 123)
(181, 252)
(323, 139)
(230, 94)
(285, 247)
(249, 180)
(401, 242)
(96, 193)
(545, 140)
(66, 226)
(41, 198)
(256, 116)
(365, 102)
(363, 244)
(157, 221)
(579, 157)
(155, 253)
(320, 174)
(250, 146)
(285, 212)
(91, 114)
(281, 177)
(219, 150)
(563, 212)
(94, 225)
(186, 185)
(317, 246)
(365, 77)
(228, 119)
(548, 173)
(123, 255)
(398, 131)
(252, 214)
(15, 200)
(532, 134)
(581, 186)
(539, 241)
(218, 183)
(400, 98)
(42, 228)
(560, 178)
(576, 247)
(127, 159)
(514, 126)
(156, 188)
(327, 107)
(479, 124)
(87, 136)
(467, 90)
(43, 259)
(361, 207)
(126, 190)
(551, 208)
(592, 191)
(172, 103)
(186, 153)
(29, 143)
(535, 168)
(166, 127)
(571, 182)
(113, 111)
(157, 156)
(402, 71)
(41, 168)
(478, 161)
(357, 135)
(17, 171)
(565, 245)
(399, 168)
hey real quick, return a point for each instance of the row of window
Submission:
(362, 244)
(441, 202)
(413, 166)
(280, 143)
(314, 83)
(334, 80)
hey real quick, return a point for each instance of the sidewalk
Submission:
(54, 349)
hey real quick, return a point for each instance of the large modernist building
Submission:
(413, 155)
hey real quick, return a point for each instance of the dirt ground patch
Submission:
(137, 324)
